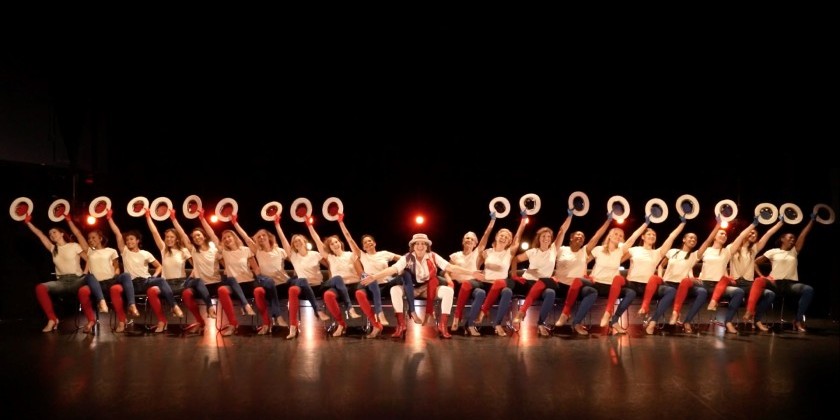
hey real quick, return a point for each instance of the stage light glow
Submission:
(91, 220)
(724, 224)
(419, 219)
(214, 219)
(524, 246)
(309, 246)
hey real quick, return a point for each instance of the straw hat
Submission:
(420, 237)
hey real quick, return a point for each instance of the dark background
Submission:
(439, 122)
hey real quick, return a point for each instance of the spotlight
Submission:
(419, 219)
(524, 246)
(91, 220)
(214, 219)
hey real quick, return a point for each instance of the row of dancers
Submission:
(237, 266)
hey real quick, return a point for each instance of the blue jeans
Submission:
(548, 296)
(306, 291)
(764, 302)
(478, 296)
(666, 296)
(804, 291)
(374, 290)
(270, 293)
(588, 295)
(337, 283)
(406, 280)
(200, 289)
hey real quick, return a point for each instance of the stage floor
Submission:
(69, 374)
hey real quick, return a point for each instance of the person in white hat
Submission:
(421, 265)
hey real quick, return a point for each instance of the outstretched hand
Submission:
(570, 212)
(234, 218)
(109, 213)
(341, 217)
(148, 211)
(492, 215)
(201, 212)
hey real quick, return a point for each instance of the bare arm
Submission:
(669, 241)
(78, 234)
(208, 228)
(708, 241)
(743, 235)
(800, 241)
(283, 241)
(767, 235)
(482, 244)
(353, 246)
(247, 239)
(158, 268)
(636, 233)
(116, 230)
(593, 242)
(185, 239)
(517, 237)
(561, 231)
(43, 238)
(155, 234)
(321, 249)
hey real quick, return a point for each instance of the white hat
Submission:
(420, 237)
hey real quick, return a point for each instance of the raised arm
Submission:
(155, 234)
(283, 241)
(800, 241)
(482, 244)
(208, 228)
(767, 235)
(43, 238)
(744, 234)
(517, 237)
(245, 238)
(708, 242)
(561, 231)
(669, 241)
(593, 241)
(353, 246)
(321, 249)
(116, 230)
(185, 239)
(80, 237)
(636, 233)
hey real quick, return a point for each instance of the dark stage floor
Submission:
(68, 374)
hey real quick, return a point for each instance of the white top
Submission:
(540, 263)
(715, 261)
(421, 267)
(467, 261)
(101, 262)
(174, 263)
(783, 264)
(374, 263)
(643, 264)
(272, 264)
(236, 264)
(497, 265)
(570, 265)
(342, 265)
(206, 264)
(308, 266)
(679, 267)
(607, 266)
(68, 259)
(136, 263)
(742, 264)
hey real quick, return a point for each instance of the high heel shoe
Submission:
(194, 328)
(280, 321)
(543, 330)
(52, 325)
(88, 329)
(133, 312)
(229, 330)
(375, 332)
(473, 331)
(500, 331)
(249, 310)
(456, 322)
(562, 320)
(650, 328)
(103, 307)
(480, 318)
(748, 316)
(799, 326)
(730, 328)
(323, 316)
(353, 314)
(581, 330)
(712, 306)
(443, 331)
(429, 319)
(416, 318)
(605, 320)
(161, 328)
(761, 327)
(120, 327)
(517, 320)
(176, 310)
(264, 329)
(382, 319)
(642, 312)
(674, 316)
(616, 329)
(293, 333)
(399, 332)
(339, 331)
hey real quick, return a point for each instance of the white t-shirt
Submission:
(497, 265)
(467, 261)
(236, 264)
(570, 265)
(679, 267)
(421, 267)
(136, 263)
(101, 262)
(374, 263)
(607, 265)
(742, 264)
(206, 264)
(643, 264)
(174, 263)
(342, 265)
(540, 263)
(272, 264)
(308, 266)
(784, 263)
(68, 259)
(715, 261)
